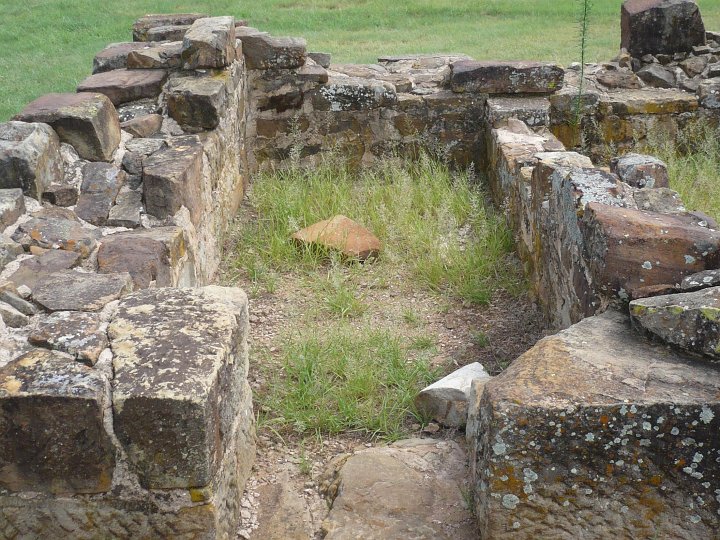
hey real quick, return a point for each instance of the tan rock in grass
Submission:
(342, 234)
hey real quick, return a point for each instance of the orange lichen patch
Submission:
(604, 420)
(512, 484)
(656, 480)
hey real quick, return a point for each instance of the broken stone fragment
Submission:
(87, 121)
(369, 493)
(198, 102)
(63, 195)
(78, 291)
(35, 268)
(661, 200)
(262, 51)
(138, 108)
(168, 33)
(172, 179)
(9, 250)
(23, 306)
(56, 233)
(136, 150)
(446, 400)
(641, 171)
(341, 234)
(127, 210)
(506, 77)
(596, 401)
(73, 332)
(618, 78)
(209, 43)
(52, 434)
(709, 93)
(144, 24)
(12, 317)
(114, 56)
(657, 76)
(320, 58)
(12, 206)
(179, 375)
(29, 157)
(143, 126)
(701, 280)
(160, 56)
(660, 26)
(688, 320)
(124, 85)
(100, 186)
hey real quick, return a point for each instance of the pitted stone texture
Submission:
(35, 268)
(88, 122)
(446, 400)
(149, 260)
(144, 24)
(172, 179)
(342, 234)
(51, 426)
(506, 77)
(160, 56)
(56, 233)
(597, 432)
(180, 361)
(627, 249)
(73, 332)
(660, 26)
(79, 291)
(410, 489)
(709, 93)
(641, 171)
(690, 320)
(114, 56)
(100, 186)
(124, 85)
(533, 111)
(262, 51)
(209, 43)
(353, 94)
(29, 157)
(12, 206)
(198, 102)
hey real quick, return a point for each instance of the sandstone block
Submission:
(88, 122)
(641, 171)
(100, 186)
(10, 297)
(661, 200)
(29, 157)
(446, 400)
(172, 178)
(12, 206)
(627, 249)
(596, 429)
(73, 332)
(11, 317)
(9, 250)
(51, 426)
(175, 397)
(657, 76)
(143, 126)
(143, 25)
(709, 93)
(353, 94)
(624, 103)
(660, 26)
(32, 270)
(160, 56)
(198, 102)
(320, 58)
(262, 51)
(127, 210)
(506, 77)
(168, 33)
(123, 85)
(341, 234)
(701, 280)
(136, 150)
(56, 233)
(209, 43)
(689, 320)
(533, 111)
(114, 56)
(618, 78)
(78, 291)
(62, 195)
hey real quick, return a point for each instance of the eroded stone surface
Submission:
(100, 186)
(12, 206)
(143, 126)
(144, 24)
(209, 43)
(641, 171)
(660, 26)
(266, 52)
(160, 56)
(124, 85)
(35, 268)
(596, 429)
(79, 291)
(506, 77)
(74, 332)
(56, 233)
(198, 102)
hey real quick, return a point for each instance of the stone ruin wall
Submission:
(139, 176)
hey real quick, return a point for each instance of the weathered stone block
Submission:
(136, 150)
(29, 157)
(641, 171)
(533, 111)
(35, 268)
(127, 210)
(124, 85)
(51, 426)
(73, 332)
(657, 76)
(506, 77)
(62, 195)
(168, 33)
(623, 103)
(709, 93)
(198, 102)
(175, 398)
(143, 25)
(9, 250)
(596, 429)
(78, 291)
(114, 56)
(660, 26)
(143, 126)
(101, 184)
(262, 51)
(56, 233)
(628, 249)
(172, 178)
(160, 56)
(12, 206)
(353, 94)
(209, 43)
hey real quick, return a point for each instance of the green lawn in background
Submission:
(48, 45)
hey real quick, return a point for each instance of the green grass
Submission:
(48, 45)
(432, 222)
(341, 379)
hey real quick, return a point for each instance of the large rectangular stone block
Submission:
(143, 25)
(209, 43)
(506, 77)
(180, 366)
